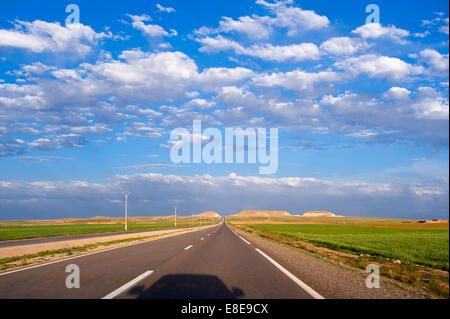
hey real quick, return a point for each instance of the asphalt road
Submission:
(209, 263)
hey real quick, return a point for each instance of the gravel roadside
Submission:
(20, 250)
(330, 280)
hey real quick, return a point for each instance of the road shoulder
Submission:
(332, 280)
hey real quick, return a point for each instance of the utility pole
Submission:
(175, 216)
(193, 222)
(126, 208)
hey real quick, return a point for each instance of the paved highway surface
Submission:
(209, 263)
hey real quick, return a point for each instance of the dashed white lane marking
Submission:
(245, 240)
(202, 238)
(128, 285)
(300, 283)
(188, 247)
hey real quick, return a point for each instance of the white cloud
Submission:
(92, 129)
(255, 27)
(363, 134)
(36, 68)
(232, 114)
(343, 45)
(421, 34)
(438, 62)
(165, 45)
(223, 76)
(141, 129)
(164, 9)
(284, 16)
(40, 36)
(378, 67)
(200, 103)
(439, 22)
(268, 52)
(376, 30)
(294, 18)
(397, 93)
(154, 76)
(298, 80)
(431, 105)
(151, 30)
(57, 142)
(372, 65)
(394, 116)
(444, 29)
(72, 101)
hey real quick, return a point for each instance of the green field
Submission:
(425, 246)
(10, 232)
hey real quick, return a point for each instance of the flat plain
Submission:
(24, 229)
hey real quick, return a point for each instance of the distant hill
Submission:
(319, 214)
(262, 213)
(208, 214)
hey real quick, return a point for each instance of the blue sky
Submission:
(86, 109)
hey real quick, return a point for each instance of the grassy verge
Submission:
(418, 257)
(428, 247)
(18, 261)
(14, 232)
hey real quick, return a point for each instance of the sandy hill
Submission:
(319, 214)
(209, 214)
(262, 213)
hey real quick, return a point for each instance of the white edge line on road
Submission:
(188, 247)
(300, 283)
(89, 254)
(244, 240)
(128, 285)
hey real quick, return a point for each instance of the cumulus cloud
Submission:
(298, 80)
(343, 45)
(139, 75)
(397, 93)
(413, 115)
(313, 83)
(284, 16)
(268, 52)
(67, 101)
(151, 30)
(378, 67)
(431, 105)
(41, 36)
(294, 18)
(376, 31)
(60, 103)
(421, 116)
(439, 63)
(200, 103)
